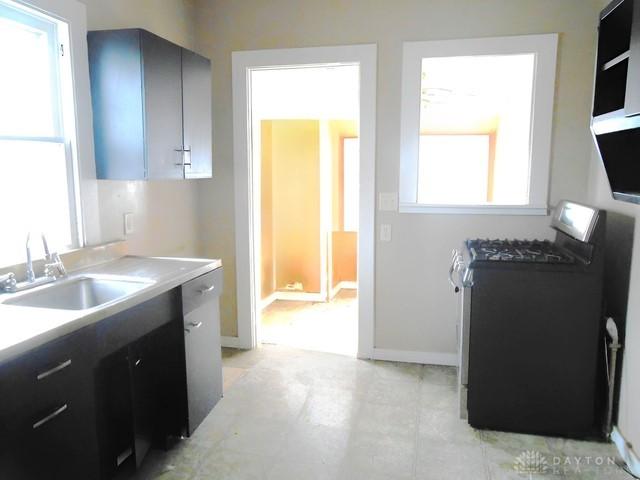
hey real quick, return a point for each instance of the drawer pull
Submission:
(50, 417)
(207, 290)
(194, 325)
(55, 369)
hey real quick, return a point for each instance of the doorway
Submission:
(299, 277)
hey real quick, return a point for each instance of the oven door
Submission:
(460, 277)
(463, 360)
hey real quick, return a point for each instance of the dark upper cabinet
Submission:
(151, 107)
(632, 97)
(617, 76)
(196, 99)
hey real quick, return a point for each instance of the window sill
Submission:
(474, 209)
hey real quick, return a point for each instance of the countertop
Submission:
(24, 328)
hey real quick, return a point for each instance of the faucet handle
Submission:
(54, 264)
(8, 282)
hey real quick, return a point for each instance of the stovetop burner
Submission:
(532, 251)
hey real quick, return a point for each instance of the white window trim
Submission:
(86, 208)
(544, 46)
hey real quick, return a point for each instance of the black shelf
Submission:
(612, 63)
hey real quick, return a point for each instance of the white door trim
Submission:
(246, 241)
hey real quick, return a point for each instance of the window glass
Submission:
(29, 87)
(453, 169)
(475, 130)
(36, 168)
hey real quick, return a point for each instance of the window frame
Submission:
(544, 47)
(75, 114)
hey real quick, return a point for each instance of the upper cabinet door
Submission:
(163, 107)
(196, 107)
(632, 97)
(116, 97)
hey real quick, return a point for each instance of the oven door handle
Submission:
(454, 263)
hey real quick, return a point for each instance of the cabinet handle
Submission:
(207, 289)
(55, 369)
(194, 325)
(183, 151)
(50, 417)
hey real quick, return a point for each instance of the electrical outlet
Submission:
(388, 202)
(128, 223)
(385, 232)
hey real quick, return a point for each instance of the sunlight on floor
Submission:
(326, 327)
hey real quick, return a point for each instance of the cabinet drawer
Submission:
(120, 330)
(59, 443)
(201, 290)
(47, 411)
(46, 376)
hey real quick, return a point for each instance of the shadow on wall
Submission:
(617, 272)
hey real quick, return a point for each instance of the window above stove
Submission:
(476, 125)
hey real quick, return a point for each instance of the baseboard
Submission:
(343, 285)
(265, 302)
(232, 342)
(425, 358)
(625, 449)
(297, 296)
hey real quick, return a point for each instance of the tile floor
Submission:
(293, 414)
(320, 326)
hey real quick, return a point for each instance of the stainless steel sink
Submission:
(78, 293)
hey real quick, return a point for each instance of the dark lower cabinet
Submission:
(141, 385)
(200, 299)
(90, 405)
(47, 412)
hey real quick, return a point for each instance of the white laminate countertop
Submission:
(24, 328)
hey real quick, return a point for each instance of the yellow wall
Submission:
(338, 130)
(344, 244)
(344, 257)
(290, 179)
(268, 283)
(293, 148)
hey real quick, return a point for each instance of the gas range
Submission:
(531, 326)
(525, 251)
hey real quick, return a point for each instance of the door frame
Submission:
(246, 178)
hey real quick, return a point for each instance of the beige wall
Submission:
(415, 309)
(629, 415)
(165, 213)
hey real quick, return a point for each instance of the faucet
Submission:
(53, 269)
(53, 262)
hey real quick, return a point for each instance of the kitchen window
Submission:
(476, 125)
(38, 174)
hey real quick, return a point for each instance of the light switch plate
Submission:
(385, 232)
(128, 223)
(388, 202)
